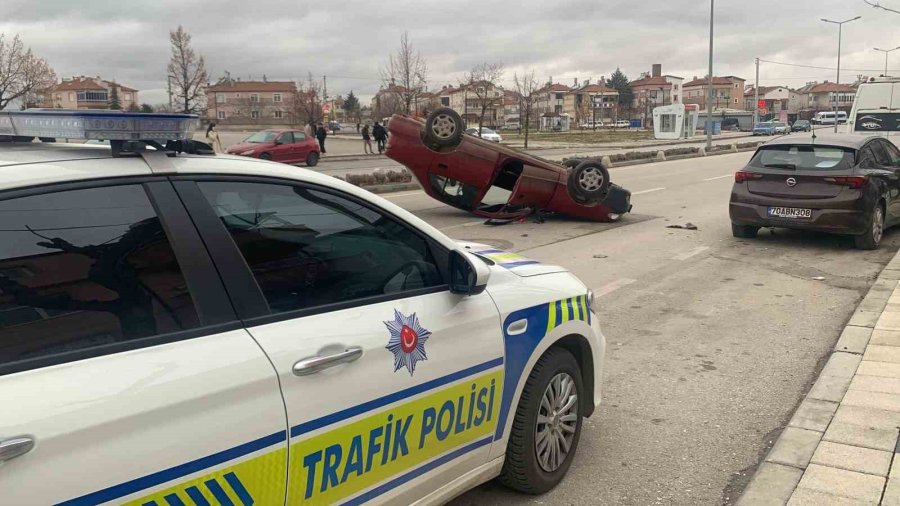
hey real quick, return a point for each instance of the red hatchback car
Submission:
(495, 181)
(279, 145)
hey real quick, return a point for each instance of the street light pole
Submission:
(886, 53)
(709, 78)
(838, 80)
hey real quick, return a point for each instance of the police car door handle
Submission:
(15, 447)
(312, 365)
(517, 327)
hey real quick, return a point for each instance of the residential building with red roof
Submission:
(83, 92)
(822, 96)
(652, 90)
(251, 103)
(728, 92)
(591, 103)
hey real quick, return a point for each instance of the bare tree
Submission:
(879, 6)
(482, 81)
(187, 72)
(23, 76)
(306, 102)
(526, 86)
(406, 73)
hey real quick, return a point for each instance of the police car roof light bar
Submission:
(126, 131)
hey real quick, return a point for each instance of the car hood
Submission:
(244, 146)
(512, 262)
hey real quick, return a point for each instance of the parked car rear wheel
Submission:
(744, 231)
(873, 235)
(312, 159)
(444, 127)
(588, 182)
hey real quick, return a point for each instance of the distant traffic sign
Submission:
(326, 108)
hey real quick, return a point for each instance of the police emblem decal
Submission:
(407, 341)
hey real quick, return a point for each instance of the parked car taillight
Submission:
(855, 182)
(741, 176)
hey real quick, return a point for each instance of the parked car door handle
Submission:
(312, 365)
(15, 447)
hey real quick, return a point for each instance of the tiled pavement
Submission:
(841, 446)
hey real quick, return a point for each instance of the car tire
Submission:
(528, 468)
(312, 159)
(744, 231)
(588, 182)
(444, 127)
(872, 238)
(265, 156)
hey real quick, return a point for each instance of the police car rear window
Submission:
(85, 268)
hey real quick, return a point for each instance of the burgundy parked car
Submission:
(844, 184)
(279, 145)
(494, 181)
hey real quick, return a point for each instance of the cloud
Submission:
(350, 40)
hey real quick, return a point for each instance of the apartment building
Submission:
(822, 96)
(591, 103)
(728, 92)
(251, 103)
(652, 90)
(83, 92)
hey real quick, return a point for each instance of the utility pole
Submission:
(756, 96)
(709, 78)
(325, 90)
(838, 80)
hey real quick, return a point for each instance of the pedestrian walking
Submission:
(308, 129)
(321, 134)
(212, 138)
(380, 134)
(367, 141)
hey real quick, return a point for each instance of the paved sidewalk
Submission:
(841, 446)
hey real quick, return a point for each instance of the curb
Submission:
(394, 187)
(778, 475)
(626, 146)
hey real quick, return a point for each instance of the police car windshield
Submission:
(261, 137)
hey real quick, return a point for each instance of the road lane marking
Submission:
(689, 254)
(718, 177)
(403, 194)
(461, 225)
(612, 287)
(647, 191)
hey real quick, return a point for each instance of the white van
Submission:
(827, 118)
(874, 108)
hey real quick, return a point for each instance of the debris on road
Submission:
(686, 226)
(598, 255)
(819, 278)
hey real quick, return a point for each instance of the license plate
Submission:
(790, 212)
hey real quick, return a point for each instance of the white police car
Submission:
(198, 330)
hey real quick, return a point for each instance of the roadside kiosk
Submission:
(676, 121)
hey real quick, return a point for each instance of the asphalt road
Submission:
(712, 340)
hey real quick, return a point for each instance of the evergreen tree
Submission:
(351, 105)
(146, 108)
(619, 82)
(114, 102)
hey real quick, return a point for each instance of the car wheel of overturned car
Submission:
(873, 235)
(312, 159)
(444, 127)
(547, 425)
(265, 156)
(588, 182)
(744, 231)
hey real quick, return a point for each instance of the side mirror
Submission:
(468, 274)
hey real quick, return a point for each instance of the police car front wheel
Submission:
(547, 425)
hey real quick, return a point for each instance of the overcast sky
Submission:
(349, 40)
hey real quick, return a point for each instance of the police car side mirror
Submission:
(468, 273)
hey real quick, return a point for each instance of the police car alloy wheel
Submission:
(547, 425)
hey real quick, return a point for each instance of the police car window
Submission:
(85, 268)
(309, 248)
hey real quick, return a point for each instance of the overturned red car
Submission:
(495, 181)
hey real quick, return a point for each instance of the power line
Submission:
(821, 68)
